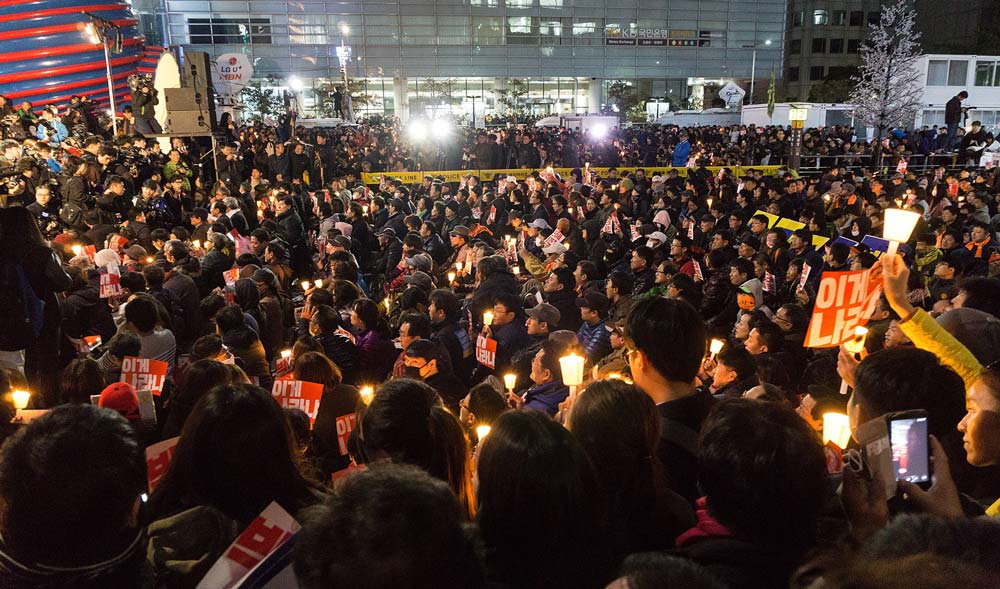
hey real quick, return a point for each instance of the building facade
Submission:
(823, 40)
(944, 76)
(408, 56)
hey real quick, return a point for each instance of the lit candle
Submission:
(569, 210)
(318, 284)
(364, 209)
(509, 380)
(857, 343)
(458, 266)
(305, 285)
(286, 354)
(197, 244)
(572, 369)
(715, 346)
(451, 277)
(516, 270)
(149, 260)
(836, 429)
(488, 318)
(826, 197)
(854, 346)
(20, 399)
(387, 302)
(897, 227)
(76, 250)
(708, 201)
(482, 431)
(367, 393)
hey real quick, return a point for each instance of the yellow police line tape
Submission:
(522, 173)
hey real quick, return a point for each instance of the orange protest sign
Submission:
(298, 394)
(144, 374)
(844, 300)
(158, 457)
(486, 351)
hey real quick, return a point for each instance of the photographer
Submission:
(143, 100)
(45, 212)
(50, 128)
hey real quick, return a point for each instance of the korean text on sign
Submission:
(298, 394)
(844, 300)
(144, 374)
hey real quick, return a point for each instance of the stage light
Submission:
(441, 129)
(417, 130)
(295, 83)
(599, 131)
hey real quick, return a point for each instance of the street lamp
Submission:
(344, 52)
(98, 31)
(798, 118)
(753, 64)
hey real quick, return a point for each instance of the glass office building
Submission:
(414, 55)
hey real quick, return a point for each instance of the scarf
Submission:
(929, 257)
(706, 526)
(978, 246)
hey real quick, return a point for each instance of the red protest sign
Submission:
(158, 457)
(144, 374)
(265, 534)
(844, 300)
(298, 394)
(345, 425)
(804, 277)
(231, 276)
(110, 282)
(486, 351)
(117, 242)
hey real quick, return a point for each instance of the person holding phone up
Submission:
(980, 426)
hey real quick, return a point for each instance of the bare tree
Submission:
(888, 89)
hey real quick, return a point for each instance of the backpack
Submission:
(21, 323)
(71, 214)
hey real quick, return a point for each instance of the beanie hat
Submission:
(120, 397)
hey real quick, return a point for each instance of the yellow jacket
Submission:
(926, 334)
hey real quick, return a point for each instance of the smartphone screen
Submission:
(910, 448)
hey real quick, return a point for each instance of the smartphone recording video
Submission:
(910, 448)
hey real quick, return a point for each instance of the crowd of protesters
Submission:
(455, 301)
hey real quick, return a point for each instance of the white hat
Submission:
(658, 236)
(511, 179)
(539, 224)
(657, 178)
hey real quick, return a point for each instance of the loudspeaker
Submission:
(187, 121)
(196, 75)
(180, 99)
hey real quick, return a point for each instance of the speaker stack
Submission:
(191, 108)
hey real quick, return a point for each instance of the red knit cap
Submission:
(121, 397)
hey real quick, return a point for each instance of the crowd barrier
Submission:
(521, 173)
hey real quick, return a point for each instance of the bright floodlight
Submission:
(345, 29)
(599, 131)
(418, 130)
(768, 42)
(295, 83)
(441, 129)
